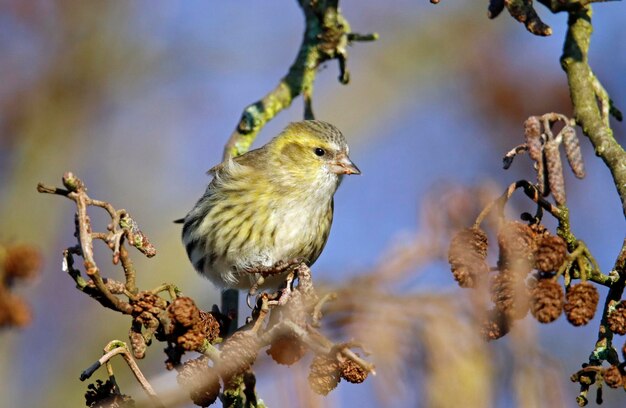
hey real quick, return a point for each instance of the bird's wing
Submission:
(251, 158)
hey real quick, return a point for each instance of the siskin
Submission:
(268, 206)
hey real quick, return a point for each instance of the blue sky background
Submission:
(138, 99)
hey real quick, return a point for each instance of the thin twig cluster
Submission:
(531, 260)
(542, 146)
(327, 36)
(514, 288)
(524, 11)
(285, 323)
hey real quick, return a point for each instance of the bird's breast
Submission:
(302, 230)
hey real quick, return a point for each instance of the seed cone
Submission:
(147, 307)
(532, 133)
(137, 344)
(510, 295)
(573, 152)
(555, 171)
(184, 312)
(200, 381)
(551, 253)
(324, 375)
(581, 302)
(190, 326)
(352, 372)
(495, 325)
(516, 242)
(612, 377)
(287, 349)
(546, 300)
(106, 395)
(467, 254)
(14, 311)
(617, 319)
(238, 353)
(22, 262)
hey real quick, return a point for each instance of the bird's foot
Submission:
(285, 290)
(276, 269)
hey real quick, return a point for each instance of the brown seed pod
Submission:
(532, 133)
(183, 311)
(612, 377)
(510, 294)
(551, 253)
(14, 311)
(200, 381)
(555, 171)
(106, 395)
(617, 319)
(146, 308)
(581, 302)
(516, 242)
(209, 326)
(352, 372)
(22, 262)
(137, 344)
(495, 325)
(573, 152)
(546, 300)
(324, 375)
(542, 177)
(467, 254)
(238, 353)
(534, 142)
(190, 326)
(191, 340)
(287, 349)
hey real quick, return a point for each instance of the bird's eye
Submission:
(319, 151)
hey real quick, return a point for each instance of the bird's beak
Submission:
(343, 165)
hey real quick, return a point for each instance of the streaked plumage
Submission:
(269, 205)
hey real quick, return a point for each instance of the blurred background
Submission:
(138, 99)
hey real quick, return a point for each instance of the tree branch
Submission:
(326, 36)
(584, 97)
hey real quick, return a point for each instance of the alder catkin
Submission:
(555, 171)
(573, 152)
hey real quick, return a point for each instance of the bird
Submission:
(268, 208)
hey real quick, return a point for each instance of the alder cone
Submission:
(467, 254)
(516, 242)
(551, 253)
(324, 374)
(581, 303)
(617, 319)
(546, 300)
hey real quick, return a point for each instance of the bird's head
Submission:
(313, 151)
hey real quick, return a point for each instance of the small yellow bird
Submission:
(268, 206)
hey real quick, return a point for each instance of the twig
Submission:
(326, 35)
(112, 349)
(317, 310)
(170, 288)
(507, 160)
(583, 94)
(529, 189)
(121, 226)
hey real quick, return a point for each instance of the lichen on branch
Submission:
(326, 37)
(585, 98)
